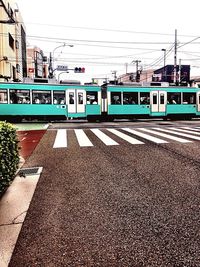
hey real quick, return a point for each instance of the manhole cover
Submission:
(30, 171)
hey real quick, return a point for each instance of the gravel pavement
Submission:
(123, 206)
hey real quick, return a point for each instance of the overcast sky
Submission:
(106, 35)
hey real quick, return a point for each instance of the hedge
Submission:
(9, 155)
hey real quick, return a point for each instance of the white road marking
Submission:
(61, 139)
(177, 133)
(104, 138)
(145, 136)
(181, 140)
(126, 137)
(82, 138)
(191, 131)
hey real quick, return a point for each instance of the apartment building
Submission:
(13, 60)
(36, 63)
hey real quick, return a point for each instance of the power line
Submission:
(91, 41)
(189, 42)
(106, 29)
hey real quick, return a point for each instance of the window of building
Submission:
(3, 97)
(59, 97)
(174, 98)
(92, 98)
(189, 98)
(116, 98)
(130, 98)
(16, 44)
(144, 98)
(19, 97)
(17, 68)
(11, 41)
(41, 97)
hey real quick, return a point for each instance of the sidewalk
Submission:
(15, 202)
(13, 209)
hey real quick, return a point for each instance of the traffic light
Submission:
(138, 76)
(79, 70)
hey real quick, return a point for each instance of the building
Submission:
(166, 74)
(13, 62)
(141, 76)
(36, 66)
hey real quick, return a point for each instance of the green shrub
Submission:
(9, 154)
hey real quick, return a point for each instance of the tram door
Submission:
(76, 101)
(158, 101)
(198, 101)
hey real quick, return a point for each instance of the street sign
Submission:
(62, 68)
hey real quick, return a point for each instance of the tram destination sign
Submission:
(62, 67)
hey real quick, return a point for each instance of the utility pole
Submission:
(126, 66)
(50, 67)
(137, 63)
(175, 58)
(164, 72)
(114, 72)
(179, 72)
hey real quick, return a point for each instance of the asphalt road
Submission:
(125, 205)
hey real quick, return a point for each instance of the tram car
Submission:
(96, 103)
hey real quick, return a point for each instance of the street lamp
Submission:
(164, 72)
(61, 73)
(52, 59)
(63, 45)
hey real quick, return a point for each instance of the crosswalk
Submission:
(133, 136)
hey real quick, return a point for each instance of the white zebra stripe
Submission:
(178, 139)
(145, 136)
(177, 133)
(189, 128)
(82, 138)
(126, 137)
(61, 139)
(104, 138)
(191, 131)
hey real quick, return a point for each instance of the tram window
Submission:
(92, 98)
(80, 98)
(162, 99)
(174, 98)
(59, 97)
(145, 98)
(41, 97)
(154, 99)
(116, 98)
(189, 98)
(3, 97)
(19, 97)
(71, 98)
(130, 98)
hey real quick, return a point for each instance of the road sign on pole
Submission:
(62, 68)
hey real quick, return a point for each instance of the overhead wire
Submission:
(106, 29)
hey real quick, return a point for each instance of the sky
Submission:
(109, 36)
